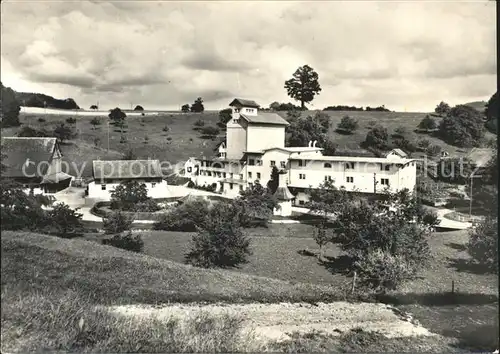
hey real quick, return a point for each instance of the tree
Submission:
(185, 108)
(187, 217)
(329, 147)
(348, 125)
(62, 132)
(377, 137)
(138, 108)
(29, 132)
(64, 221)
(129, 155)
(94, 107)
(423, 144)
(323, 119)
(427, 124)
(197, 106)
(95, 122)
(463, 127)
(303, 85)
(400, 131)
(301, 131)
(220, 242)
(117, 222)
(225, 116)
(275, 106)
(256, 205)
(9, 107)
(210, 131)
(491, 112)
(273, 182)
(128, 195)
(483, 244)
(322, 238)
(117, 116)
(327, 199)
(442, 109)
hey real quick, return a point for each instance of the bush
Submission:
(166, 128)
(199, 123)
(427, 124)
(125, 241)
(123, 139)
(463, 127)
(348, 125)
(220, 242)
(30, 132)
(187, 216)
(381, 271)
(423, 144)
(70, 120)
(483, 244)
(117, 222)
(433, 150)
(210, 131)
(64, 221)
(128, 195)
(377, 137)
(41, 120)
(148, 206)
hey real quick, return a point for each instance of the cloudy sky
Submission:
(406, 55)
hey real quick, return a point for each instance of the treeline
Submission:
(30, 99)
(354, 108)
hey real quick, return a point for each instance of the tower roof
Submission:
(265, 118)
(244, 103)
(283, 193)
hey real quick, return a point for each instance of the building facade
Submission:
(109, 174)
(255, 143)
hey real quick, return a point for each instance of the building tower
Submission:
(284, 196)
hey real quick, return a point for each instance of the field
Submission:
(182, 142)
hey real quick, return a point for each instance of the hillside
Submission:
(31, 99)
(479, 105)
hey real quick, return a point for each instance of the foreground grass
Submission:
(46, 321)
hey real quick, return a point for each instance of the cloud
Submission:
(169, 53)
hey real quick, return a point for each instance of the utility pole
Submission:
(375, 183)
(470, 201)
(108, 137)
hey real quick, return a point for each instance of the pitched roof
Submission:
(126, 169)
(283, 193)
(398, 152)
(244, 103)
(27, 157)
(265, 118)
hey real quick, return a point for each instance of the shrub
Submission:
(30, 132)
(148, 206)
(483, 244)
(146, 139)
(377, 137)
(423, 144)
(170, 138)
(166, 128)
(199, 123)
(95, 122)
(348, 125)
(70, 120)
(128, 195)
(210, 131)
(433, 150)
(123, 139)
(117, 222)
(220, 242)
(400, 131)
(381, 271)
(41, 120)
(63, 133)
(427, 124)
(184, 217)
(64, 221)
(125, 241)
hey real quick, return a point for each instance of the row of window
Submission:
(350, 165)
(250, 175)
(231, 186)
(348, 179)
(103, 186)
(253, 162)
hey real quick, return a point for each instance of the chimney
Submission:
(310, 143)
(314, 144)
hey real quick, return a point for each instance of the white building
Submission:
(109, 174)
(255, 143)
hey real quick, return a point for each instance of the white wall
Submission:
(236, 137)
(266, 168)
(262, 137)
(160, 190)
(285, 208)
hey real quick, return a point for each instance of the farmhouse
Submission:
(35, 163)
(109, 174)
(255, 143)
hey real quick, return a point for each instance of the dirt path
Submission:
(276, 321)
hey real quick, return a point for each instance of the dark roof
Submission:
(244, 103)
(354, 152)
(31, 154)
(265, 118)
(126, 169)
(219, 144)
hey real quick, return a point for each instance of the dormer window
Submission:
(236, 110)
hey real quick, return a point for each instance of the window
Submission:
(273, 163)
(241, 187)
(202, 163)
(301, 202)
(251, 162)
(349, 165)
(350, 179)
(381, 167)
(283, 164)
(230, 186)
(103, 187)
(153, 185)
(241, 176)
(327, 165)
(224, 174)
(302, 176)
(301, 163)
(232, 175)
(209, 173)
(384, 181)
(236, 110)
(258, 175)
(413, 163)
(249, 174)
(328, 178)
(259, 162)
(189, 169)
(387, 167)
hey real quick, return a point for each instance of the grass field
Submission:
(182, 142)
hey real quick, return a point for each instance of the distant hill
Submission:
(30, 99)
(479, 105)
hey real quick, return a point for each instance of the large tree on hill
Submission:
(9, 107)
(117, 116)
(348, 124)
(138, 108)
(463, 127)
(442, 108)
(197, 106)
(491, 112)
(427, 123)
(301, 131)
(185, 108)
(377, 137)
(225, 116)
(63, 132)
(303, 85)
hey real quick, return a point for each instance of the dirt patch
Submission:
(278, 321)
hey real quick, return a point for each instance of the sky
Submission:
(408, 56)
